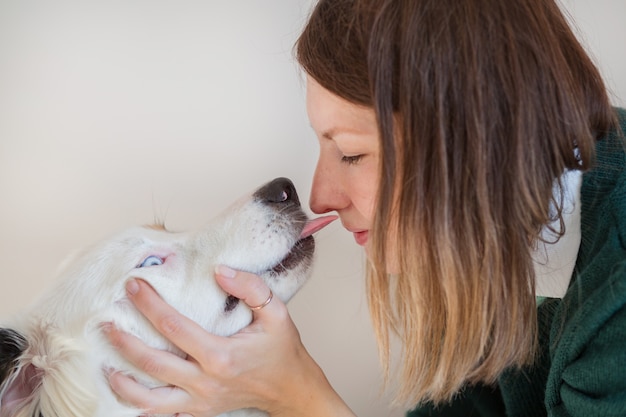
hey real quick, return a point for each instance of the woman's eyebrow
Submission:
(334, 131)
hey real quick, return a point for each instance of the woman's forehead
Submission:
(330, 114)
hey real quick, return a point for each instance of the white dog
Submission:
(52, 357)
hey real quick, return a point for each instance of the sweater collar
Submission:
(553, 258)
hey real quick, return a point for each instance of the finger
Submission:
(162, 365)
(162, 400)
(189, 336)
(249, 288)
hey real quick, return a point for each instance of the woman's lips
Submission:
(361, 237)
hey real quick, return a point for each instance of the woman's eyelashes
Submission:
(351, 160)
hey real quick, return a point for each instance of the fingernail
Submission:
(225, 271)
(108, 371)
(106, 326)
(132, 287)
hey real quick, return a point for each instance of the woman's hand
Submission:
(263, 366)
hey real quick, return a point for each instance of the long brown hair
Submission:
(480, 106)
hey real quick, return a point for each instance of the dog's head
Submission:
(266, 233)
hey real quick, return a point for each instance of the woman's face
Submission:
(346, 176)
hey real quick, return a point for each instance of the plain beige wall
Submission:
(114, 112)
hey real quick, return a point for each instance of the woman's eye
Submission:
(351, 160)
(150, 261)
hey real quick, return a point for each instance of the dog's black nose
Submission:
(280, 190)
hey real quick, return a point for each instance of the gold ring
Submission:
(266, 302)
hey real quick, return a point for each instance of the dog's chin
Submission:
(302, 251)
(298, 258)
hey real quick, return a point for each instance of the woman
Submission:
(453, 137)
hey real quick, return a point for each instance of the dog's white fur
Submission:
(65, 351)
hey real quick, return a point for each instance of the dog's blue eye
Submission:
(150, 261)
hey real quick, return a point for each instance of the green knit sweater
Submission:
(582, 368)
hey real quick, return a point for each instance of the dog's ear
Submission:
(12, 344)
(17, 382)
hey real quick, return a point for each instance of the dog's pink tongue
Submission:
(316, 225)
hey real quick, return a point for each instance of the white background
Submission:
(115, 112)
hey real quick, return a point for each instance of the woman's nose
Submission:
(327, 192)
